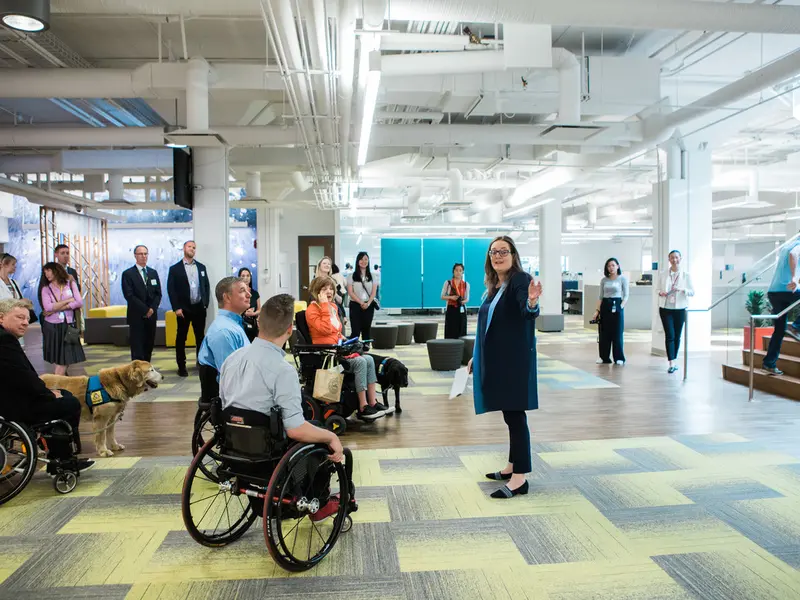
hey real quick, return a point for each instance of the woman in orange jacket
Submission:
(325, 327)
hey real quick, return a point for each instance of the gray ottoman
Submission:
(120, 335)
(97, 330)
(161, 335)
(384, 337)
(445, 355)
(405, 333)
(469, 345)
(427, 330)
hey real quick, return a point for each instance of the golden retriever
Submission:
(122, 384)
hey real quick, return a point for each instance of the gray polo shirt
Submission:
(257, 377)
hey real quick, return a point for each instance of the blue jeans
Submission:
(780, 301)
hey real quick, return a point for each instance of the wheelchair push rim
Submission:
(205, 431)
(215, 511)
(19, 454)
(299, 527)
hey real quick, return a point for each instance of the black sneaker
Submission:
(772, 370)
(182, 372)
(387, 410)
(370, 413)
(84, 464)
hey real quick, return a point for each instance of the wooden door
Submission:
(311, 249)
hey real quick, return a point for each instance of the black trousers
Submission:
(209, 386)
(519, 453)
(196, 317)
(361, 320)
(143, 337)
(67, 408)
(672, 319)
(612, 326)
(455, 323)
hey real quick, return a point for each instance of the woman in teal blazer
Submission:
(504, 358)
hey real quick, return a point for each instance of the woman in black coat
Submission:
(504, 358)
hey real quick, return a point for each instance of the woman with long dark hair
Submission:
(362, 290)
(250, 316)
(504, 359)
(674, 289)
(611, 312)
(61, 344)
(456, 293)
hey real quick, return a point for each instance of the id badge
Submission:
(62, 316)
(614, 307)
(463, 310)
(153, 282)
(671, 299)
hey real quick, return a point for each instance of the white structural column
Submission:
(552, 318)
(211, 215)
(268, 236)
(682, 221)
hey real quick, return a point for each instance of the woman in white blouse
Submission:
(362, 290)
(611, 313)
(674, 289)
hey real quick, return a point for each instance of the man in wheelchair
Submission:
(26, 399)
(257, 378)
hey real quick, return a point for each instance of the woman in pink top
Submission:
(60, 297)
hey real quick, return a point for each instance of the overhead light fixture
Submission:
(373, 78)
(174, 145)
(30, 16)
(526, 209)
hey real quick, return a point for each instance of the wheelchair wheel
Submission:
(305, 508)
(204, 431)
(18, 456)
(337, 424)
(65, 482)
(312, 411)
(215, 513)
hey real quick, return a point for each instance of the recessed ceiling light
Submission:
(31, 16)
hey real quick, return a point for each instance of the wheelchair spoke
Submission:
(206, 498)
(209, 506)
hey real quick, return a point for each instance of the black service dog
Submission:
(392, 374)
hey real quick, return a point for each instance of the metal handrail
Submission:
(725, 297)
(753, 318)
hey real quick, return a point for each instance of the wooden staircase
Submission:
(786, 385)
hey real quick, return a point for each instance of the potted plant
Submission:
(757, 304)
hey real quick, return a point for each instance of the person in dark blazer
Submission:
(142, 290)
(25, 397)
(504, 358)
(189, 293)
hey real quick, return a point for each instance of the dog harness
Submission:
(96, 394)
(382, 365)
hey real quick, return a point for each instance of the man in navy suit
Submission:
(142, 290)
(189, 293)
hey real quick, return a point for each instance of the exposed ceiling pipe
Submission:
(452, 175)
(403, 42)
(347, 59)
(318, 34)
(627, 14)
(116, 189)
(197, 95)
(635, 14)
(253, 185)
(56, 200)
(451, 63)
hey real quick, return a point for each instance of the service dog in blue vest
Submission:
(105, 396)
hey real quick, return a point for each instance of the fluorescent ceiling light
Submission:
(175, 145)
(454, 226)
(371, 64)
(527, 209)
(540, 184)
(625, 227)
(30, 16)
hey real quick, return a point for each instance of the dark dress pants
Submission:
(196, 317)
(780, 301)
(519, 453)
(672, 319)
(143, 337)
(612, 325)
(361, 320)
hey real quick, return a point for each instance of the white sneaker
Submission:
(620, 362)
(599, 361)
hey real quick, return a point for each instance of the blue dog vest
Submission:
(96, 394)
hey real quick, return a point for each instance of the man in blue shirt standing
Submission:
(782, 293)
(225, 335)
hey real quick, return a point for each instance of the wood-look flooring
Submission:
(648, 402)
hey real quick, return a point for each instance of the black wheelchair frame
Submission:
(23, 447)
(257, 471)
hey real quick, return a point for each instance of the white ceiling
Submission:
(466, 110)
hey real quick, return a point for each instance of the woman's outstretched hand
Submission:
(534, 292)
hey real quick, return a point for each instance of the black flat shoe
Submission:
(498, 476)
(504, 492)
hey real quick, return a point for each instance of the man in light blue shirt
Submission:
(225, 335)
(782, 294)
(258, 378)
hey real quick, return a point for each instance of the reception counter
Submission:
(638, 310)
